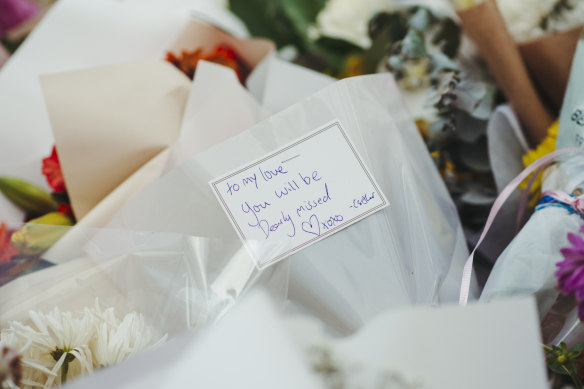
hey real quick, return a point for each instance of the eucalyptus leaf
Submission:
(485, 108)
(395, 62)
(420, 20)
(469, 94)
(444, 95)
(441, 62)
(413, 45)
(468, 128)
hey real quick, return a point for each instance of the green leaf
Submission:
(286, 22)
(441, 62)
(413, 45)
(576, 350)
(303, 13)
(556, 367)
(335, 51)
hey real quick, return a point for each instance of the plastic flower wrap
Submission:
(117, 294)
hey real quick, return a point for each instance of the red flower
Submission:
(7, 250)
(66, 210)
(53, 173)
(222, 54)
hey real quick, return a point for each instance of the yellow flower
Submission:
(546, 146)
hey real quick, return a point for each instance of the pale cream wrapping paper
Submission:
(109, 122)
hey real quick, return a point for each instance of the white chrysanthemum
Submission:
(349, 19)
(523, 17)
(58, 346)
(117, 341)
(57, 342)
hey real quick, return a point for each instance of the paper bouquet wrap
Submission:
(148, 95)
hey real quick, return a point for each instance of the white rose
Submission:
(349, 19)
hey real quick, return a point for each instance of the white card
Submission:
(298, 194)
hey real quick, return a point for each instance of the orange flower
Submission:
(53, 173)
(7, 250)
(222, 55)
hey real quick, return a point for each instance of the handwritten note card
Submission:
(299, 194)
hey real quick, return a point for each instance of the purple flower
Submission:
(15, 12)
(570, 273)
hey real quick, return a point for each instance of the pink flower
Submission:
(570, 273)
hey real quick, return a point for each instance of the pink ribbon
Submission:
(505, 193)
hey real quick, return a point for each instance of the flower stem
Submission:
(64, 371)
(547, 348)
(575, 379)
